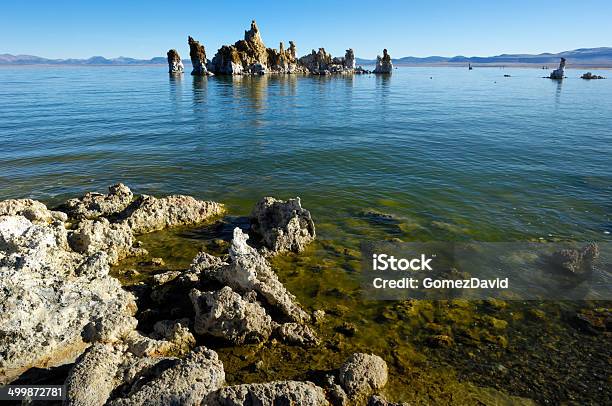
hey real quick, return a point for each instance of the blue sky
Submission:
(62, 29)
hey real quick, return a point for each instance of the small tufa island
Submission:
(590, 76)
(250, 56)
(559, 73)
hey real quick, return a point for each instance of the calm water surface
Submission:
(450, 154)
(502, 157)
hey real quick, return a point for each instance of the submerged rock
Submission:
(361, 71)
(94, 205)
(283, 225)
(49, 294)
(376, 400)
(297, 333)
(272, 393)
(559, 72)
(384, 64)
(362, 375)
(225, 314)
(175, 65)
(594, 321)
(576, 262)
(197, 53)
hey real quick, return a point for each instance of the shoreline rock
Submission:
(54, 272)
(93, 205)
(59, 305)
(283, 225)
(250, 271)
(147, 213)
(110, 375)
(32, 210)
(47, 288)
(225, 314)
(271, 393)
(362, 375)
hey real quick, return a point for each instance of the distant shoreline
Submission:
(403, 65)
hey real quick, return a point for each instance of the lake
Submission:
(426, 154)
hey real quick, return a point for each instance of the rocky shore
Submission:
(251, 56)
(59, 305)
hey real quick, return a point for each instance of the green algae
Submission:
(443, 352)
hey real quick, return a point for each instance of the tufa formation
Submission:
(251, 56)
(175, 65)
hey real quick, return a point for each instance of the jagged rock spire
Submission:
(197, 53)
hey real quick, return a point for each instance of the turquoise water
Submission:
(445, 153)
(503, 158)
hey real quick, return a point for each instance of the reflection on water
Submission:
(199, 85)
(558, 92)
(176, 93)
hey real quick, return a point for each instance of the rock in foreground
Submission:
(250, 271)
(283, 225)
(362, 375)
(32, 210)
(272, 393)
(49, 294)
(147, 213)
(225, 314)
(94, 205)
(108, 375)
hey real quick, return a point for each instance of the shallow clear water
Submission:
(502, 158)
(450, 154)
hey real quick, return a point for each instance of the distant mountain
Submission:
(580, 57)
(599, 57)
(8, 59)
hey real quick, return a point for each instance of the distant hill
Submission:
(600, 57)
(593, 57)
(8, 59)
